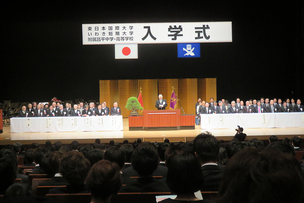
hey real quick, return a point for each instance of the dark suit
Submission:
(298, 108)
(92, 112)
(279, 107)
(292, 107)
(51, 113)
(158, 103)
(61, 113)
(116, 111)
(212, 177)
(256, 110)
(219, 109)
(23, 114)
(209, 111)
(31, 112)
(106, 111)
(285, 109)
(68, 111)
(39, 113)
(231, 110)
(100, 112)
(73, 113)
(270, 109)
(248, 109)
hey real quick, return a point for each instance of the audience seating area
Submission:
(40, 165)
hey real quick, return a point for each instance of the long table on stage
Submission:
(252, 120)
(66, 124)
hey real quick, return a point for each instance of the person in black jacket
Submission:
(23, 112)
(206, 148)
(239, 134)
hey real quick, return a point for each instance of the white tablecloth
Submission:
(252, 120)
(66, 124)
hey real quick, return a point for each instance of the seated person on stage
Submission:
(100, 111)
(74, 167)
(145, 161)
(292, 105)
(214, 107)
(233, 108)
(103, 181)
(30, 110)
(298, 107)
(23, 112)
(61, 111)
(239, 134)
(251, 176)
(43, 108)
(68, 109)
(259, 108)
(161, 103)
(285, 108)
(92, 110)
(241, 108)
(75, 111)
(50, 164)
(279, 105)
(248, 108)
(220, 108)
(50, 112)
(85, 111)
(105, 108)
(39, 111)
(184, 178)
(206, 109)
(115, 110)
(206, 148)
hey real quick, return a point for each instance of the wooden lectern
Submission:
(161, 120)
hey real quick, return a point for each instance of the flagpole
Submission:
(173, 89)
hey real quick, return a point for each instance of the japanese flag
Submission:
(126, 51)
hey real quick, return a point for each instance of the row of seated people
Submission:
(250, 106)
(57, 109)
(250, 174)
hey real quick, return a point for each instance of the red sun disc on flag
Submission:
(126, 51)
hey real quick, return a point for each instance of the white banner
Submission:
(150, 33)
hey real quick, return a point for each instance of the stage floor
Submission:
(152, 136)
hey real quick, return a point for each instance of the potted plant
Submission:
(133, 105)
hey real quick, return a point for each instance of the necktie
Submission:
(259, 109)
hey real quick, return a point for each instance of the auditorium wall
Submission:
(186, 89)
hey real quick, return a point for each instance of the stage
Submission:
(149, 136)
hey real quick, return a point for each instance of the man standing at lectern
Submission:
(161, 103)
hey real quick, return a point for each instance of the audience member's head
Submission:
(232, 148)
(145, 159)
(58, 145)
(97, 141)
(35, 145)
(50, 163)
(8, 168)
(128, 149)
(39, 153)
(184, 174)
(74, 167)
(188, 147)
(16, 190)
(85, 149)
(94, 156)
(296, 141)
(112, 142)
(104, 180)
(17, 147)
(269, 176)
(48, 145)
(273, 138)
(74, 145)
(161, 149)
(115, 155)
(29, 156)
(281, 146)
(206, 147)
(173, 151)
(125, 142)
